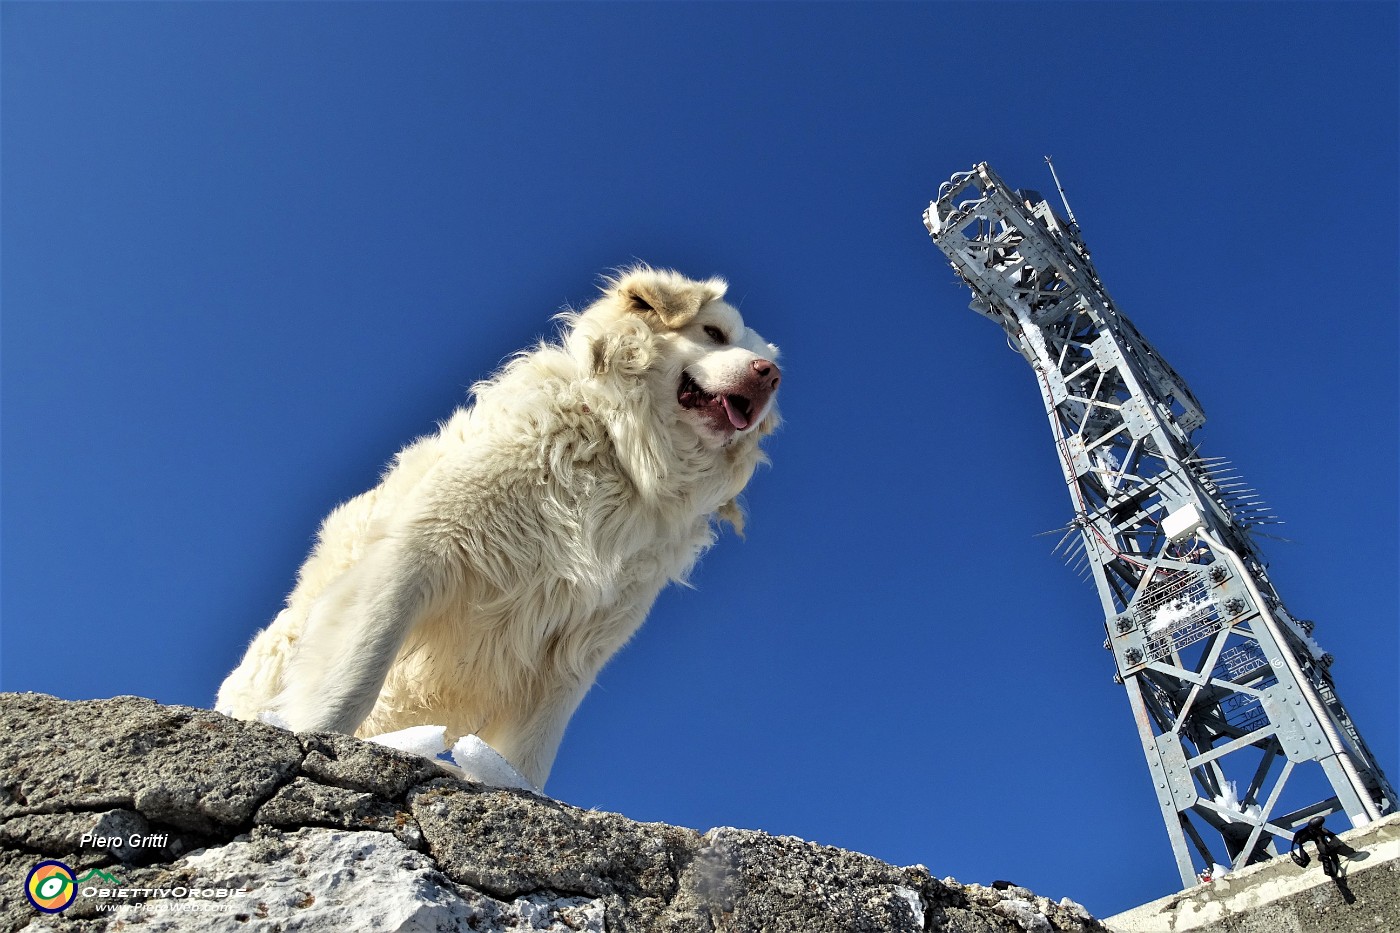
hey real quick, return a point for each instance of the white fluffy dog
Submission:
(503, 560)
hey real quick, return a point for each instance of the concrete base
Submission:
(1280, 897)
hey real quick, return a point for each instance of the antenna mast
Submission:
(1061, 188)
(1245, 737)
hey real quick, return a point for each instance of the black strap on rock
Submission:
(1328, 846)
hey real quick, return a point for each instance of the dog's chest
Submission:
(548, 510)
(627, 545)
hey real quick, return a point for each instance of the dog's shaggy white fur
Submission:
(501, 561)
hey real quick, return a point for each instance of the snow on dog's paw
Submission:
(482, 763)
(273, 718)
(427, 741)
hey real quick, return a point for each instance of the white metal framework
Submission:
(1239, 719)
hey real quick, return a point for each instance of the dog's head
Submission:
(688, 388)
(706, 369)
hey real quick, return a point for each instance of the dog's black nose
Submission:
(768, 371)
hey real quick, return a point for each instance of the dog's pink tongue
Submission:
(736, 419)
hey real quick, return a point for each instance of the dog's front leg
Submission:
(531, 741)
(353, 633)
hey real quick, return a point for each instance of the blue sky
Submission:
(250, 250)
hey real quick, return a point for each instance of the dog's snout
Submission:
(768, 371)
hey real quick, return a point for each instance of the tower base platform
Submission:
(1279, 897)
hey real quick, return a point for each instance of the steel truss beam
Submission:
(1240, 722)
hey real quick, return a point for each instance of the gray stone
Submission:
(967, 909)
(750, 880)
(324, 879)
(14, 867)
(509, 842)
(73, 836)
(303, 802)
(348, 762)
(64, 832)
(326, 832)
(186, 768)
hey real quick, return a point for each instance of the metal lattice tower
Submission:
(1244, 733)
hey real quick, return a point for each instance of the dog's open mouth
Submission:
(737, 409)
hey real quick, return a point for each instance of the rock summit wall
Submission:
(172, 818)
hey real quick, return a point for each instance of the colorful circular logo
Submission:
(50, 886)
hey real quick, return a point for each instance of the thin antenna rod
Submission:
(1069, 213)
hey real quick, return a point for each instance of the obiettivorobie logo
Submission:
(52, 887)
(99, 875)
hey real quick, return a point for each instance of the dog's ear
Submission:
(619, 344)
(665, 296)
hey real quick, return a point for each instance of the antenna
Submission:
(1237, 712)
(1061, 188)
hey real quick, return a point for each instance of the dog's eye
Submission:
(715, 334)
